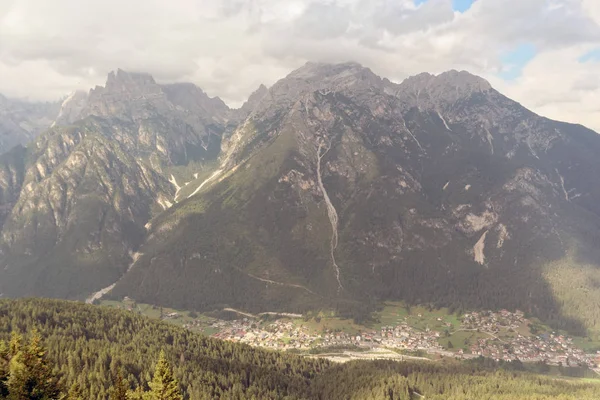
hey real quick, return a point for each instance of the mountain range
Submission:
(334, 188)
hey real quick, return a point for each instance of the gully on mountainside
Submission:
(331, 212)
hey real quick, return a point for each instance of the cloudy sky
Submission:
(542, 53)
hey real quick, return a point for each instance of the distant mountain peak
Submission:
(121, 82)
(311, 77)
(329, 73)
(446, 88)
(122, 77)
(460, 79)
(464, 79)
(126, 95)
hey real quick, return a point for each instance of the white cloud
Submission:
(229, 47)
(557, 85)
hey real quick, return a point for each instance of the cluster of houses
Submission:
(493, 322)
(284, 334)
(404, 336)
(548, 348)
(505, 340)
(281, 334)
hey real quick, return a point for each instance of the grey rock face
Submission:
(176, 123)
(129, 96)
(72, 108)
(192, 99)
(76, 200)
(75, 210)
(442, 90)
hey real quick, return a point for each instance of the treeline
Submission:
(76, 351)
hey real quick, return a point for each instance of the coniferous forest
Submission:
(64, 350)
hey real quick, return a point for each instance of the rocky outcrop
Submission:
(77, 211)
(71, 108)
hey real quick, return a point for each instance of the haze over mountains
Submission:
(333, 188)
(21, 121)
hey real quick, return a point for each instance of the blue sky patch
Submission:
(457, 5)
(461, 5)
(515, 60)
(591, 56)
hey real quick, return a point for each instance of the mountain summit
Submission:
(334, 188)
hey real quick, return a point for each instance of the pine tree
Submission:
(75, 393)
(163, 385)
(30, 376)
(14, 346)
(120, 388)
(137, 394)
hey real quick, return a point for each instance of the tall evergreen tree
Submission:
(164, 386)
(75, 393)
(30, 376)
(120, 388)
(137, 394)
(14, 346)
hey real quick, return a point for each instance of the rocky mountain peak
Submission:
(425, 89)
(126, 95)
(335, 76)
(127, 80)
(463, 80)
(314, 77)
(126, 85)
(257, 95)
(459, 80)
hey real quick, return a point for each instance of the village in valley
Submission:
(501, 336)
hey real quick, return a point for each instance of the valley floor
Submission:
(401, 333)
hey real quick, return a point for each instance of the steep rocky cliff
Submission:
(75, 201)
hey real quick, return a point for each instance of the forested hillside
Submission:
(90, 344)
(89, 348)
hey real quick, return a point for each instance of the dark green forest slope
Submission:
(89, 347)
